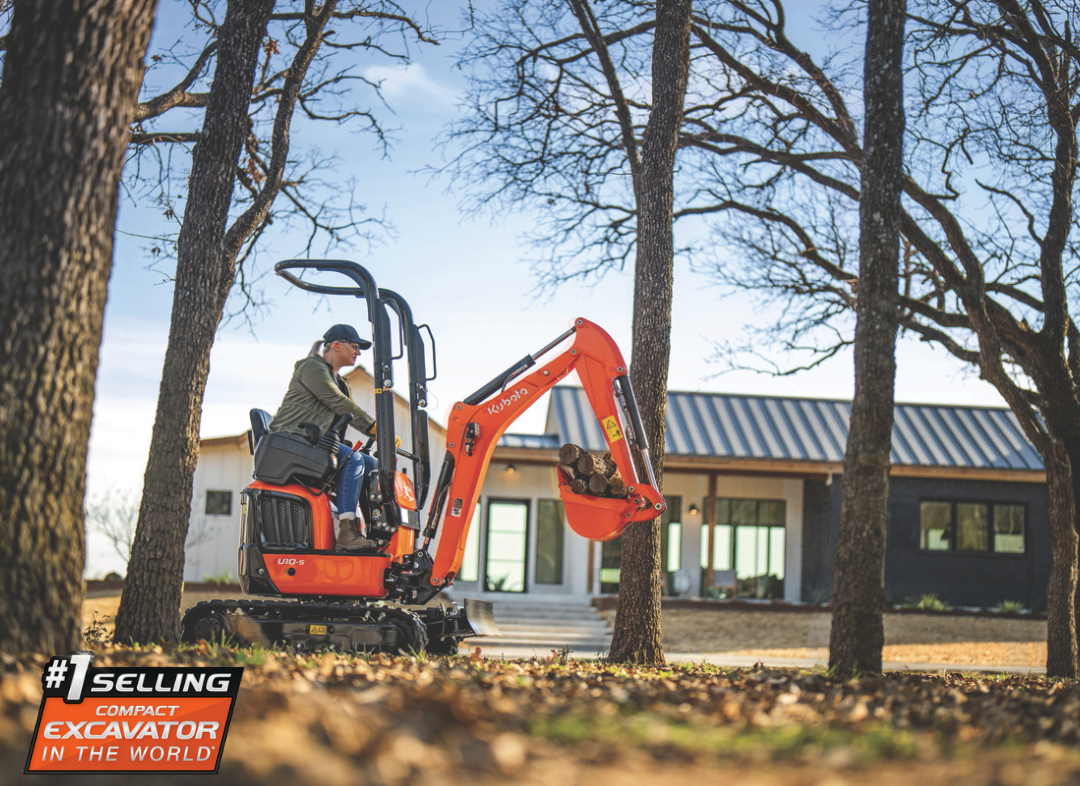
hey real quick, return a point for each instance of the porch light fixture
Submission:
(694, 509)
(510, 469)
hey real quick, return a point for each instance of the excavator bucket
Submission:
(600, 518)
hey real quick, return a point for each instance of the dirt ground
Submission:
(340, 720)
(337, 720)
(909, 638)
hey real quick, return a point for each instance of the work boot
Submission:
(349, 537)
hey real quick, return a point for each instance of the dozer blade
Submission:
(480, 618)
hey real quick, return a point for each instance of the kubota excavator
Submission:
(377, 599)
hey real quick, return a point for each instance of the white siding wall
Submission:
(212, 539)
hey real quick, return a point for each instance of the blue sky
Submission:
(465, 275)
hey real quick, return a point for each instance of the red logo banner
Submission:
(131, 719)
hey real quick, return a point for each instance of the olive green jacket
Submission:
(317, 395)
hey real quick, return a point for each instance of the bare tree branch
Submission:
(178, 95)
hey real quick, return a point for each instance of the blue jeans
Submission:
(351, 477)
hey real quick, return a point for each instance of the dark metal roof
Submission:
(796, 429)
(537, 441)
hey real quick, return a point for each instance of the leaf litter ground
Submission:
(332, 719)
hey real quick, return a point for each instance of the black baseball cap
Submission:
(345, 333)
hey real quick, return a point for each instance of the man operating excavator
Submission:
(318, 394)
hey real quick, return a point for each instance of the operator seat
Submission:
(260, 427)
(282, 458)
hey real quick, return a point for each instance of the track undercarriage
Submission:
(305, 626)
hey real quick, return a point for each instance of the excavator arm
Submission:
(477, 423)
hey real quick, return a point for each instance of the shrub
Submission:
(221, 578)
(1010, 607)
(926, 602)
(820, 594)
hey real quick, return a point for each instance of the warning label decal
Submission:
(611, 426)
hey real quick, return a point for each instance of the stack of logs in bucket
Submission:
(592, 474)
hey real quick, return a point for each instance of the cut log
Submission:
(589, 473)
(572, 472)
(590, 464)
(570, 453)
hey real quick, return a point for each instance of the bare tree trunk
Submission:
(149, 607)
(71, 75)
(857, 636)
(636, 636)
(1061, 645)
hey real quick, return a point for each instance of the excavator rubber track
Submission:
(307, 626)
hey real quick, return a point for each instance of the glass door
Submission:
(507, 546)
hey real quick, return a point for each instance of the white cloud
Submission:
(410, 83)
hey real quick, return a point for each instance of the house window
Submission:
(972, 527)
(935, 521)
(549, 542)
(219, 503)
(1009, 529)
(971, 521)
(506, 542)
(470, 560)
(750, 538)
(674, 544)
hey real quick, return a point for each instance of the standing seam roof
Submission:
(772, 427)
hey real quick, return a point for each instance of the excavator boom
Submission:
(476, 424)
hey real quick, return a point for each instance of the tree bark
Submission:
(149, 607)
(637, 634)
(71, 76)
(857, 635)
(1061, 644)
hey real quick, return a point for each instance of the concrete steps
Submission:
(550, 625)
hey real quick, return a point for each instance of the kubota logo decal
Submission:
(511, 398)
(611, 426)
(130, 719)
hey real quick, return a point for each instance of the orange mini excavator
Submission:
(378, 599)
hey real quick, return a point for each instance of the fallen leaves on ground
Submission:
(332, 719)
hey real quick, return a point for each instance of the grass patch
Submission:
(661, 736)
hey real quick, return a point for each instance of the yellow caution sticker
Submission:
(317, 630)
(611, 426)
